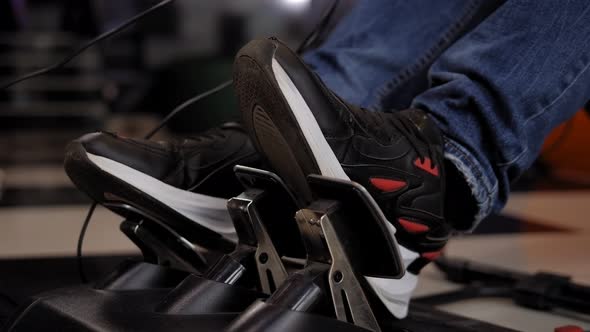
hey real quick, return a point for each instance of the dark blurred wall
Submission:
(79, 16)
(7, 18)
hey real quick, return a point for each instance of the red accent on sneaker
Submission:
(387, 185)
(431, 255)
(413, 227)
(426, 166)
(569, 328)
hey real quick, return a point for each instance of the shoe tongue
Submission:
(423, 122)
(374, 124)
(377, 124)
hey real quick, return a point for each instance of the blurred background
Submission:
(127, 84)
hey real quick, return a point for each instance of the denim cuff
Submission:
(482, 188)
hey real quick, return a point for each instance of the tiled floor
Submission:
(562, 208)
(562, 253)
(53, 231)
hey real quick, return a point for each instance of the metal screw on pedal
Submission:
(313, 237)
(263, 258)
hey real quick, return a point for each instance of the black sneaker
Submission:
(184, 184)
(303, 128)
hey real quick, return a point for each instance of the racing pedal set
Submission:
(295, 267)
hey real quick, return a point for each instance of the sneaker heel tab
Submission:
(261, 50)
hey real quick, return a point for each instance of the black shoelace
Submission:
(414, 136)
(389, 126)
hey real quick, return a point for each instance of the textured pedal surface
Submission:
(276, 148)
(258, 95)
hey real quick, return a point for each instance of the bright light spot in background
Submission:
(295, 5)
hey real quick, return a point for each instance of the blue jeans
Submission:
(497, 76)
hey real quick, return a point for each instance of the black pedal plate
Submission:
(367, 232)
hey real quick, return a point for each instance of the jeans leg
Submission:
(500, 90)
(378, 55)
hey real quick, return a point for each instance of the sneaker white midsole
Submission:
(328, 163)
(207, 211)
(394, 293)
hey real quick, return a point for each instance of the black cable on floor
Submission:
(79, 256)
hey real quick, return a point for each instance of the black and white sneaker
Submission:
(303, 128)
(184, 184)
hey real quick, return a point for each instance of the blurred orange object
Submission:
(567, 150)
